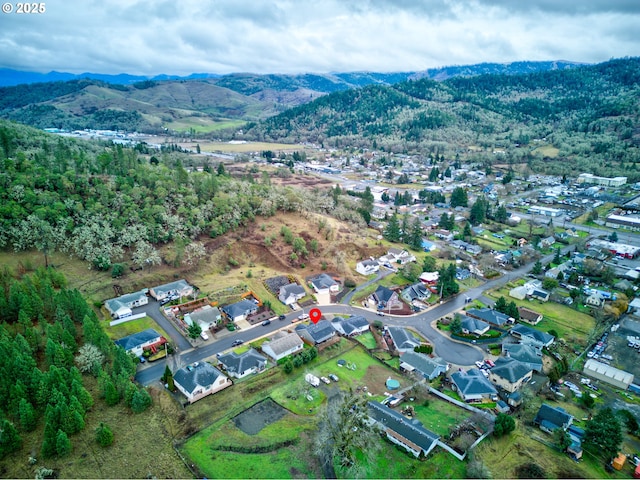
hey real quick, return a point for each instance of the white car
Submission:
(325, 380)
(479, 364)
(304, 316)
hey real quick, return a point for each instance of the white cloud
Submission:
(290, 36)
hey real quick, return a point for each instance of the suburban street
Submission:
(458, 353)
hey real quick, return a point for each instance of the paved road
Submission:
(451, 351)
(152, 309)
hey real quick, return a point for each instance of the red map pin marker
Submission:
(315, 314)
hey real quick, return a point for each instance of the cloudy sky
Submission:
(149, 37)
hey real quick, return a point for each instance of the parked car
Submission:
(490, 362)
(333, 377)
(282, 317)
(379, 313)
(266, 322)
(479, 364)
(237, 343)
(303, 316)
(325, 380)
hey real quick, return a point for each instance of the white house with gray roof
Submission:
(409, 434)
(121, 307)
(282, 345)
(531, 335)
(367, 267)
(137, 342)
(200, 379)
(352, 326)
(316, 333)
(323, 283)
(426, 366)
(402, 339)
(240, 310)
(291, 293)
(239, 365)
(472, 386)
(179, 288)
(474, 326)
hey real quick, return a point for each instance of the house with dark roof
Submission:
(416, 292)
(179, 288)
(403, 341)
(239, 310)
(315, 333)
(367, 267)
(510, 374)
(199, 380)
(530, 316)
(385, 297)
(206, 316)
(531, 335)
(121, 307)
(291, 293)
(323, 283)
(473, 326)
(540, 294)
(240, 365)
(530, 355)
(352, 326)
(550, 419)
(409, 434)
(282, 345)
(492, 317)
(426, 366)
(136, 343)
(472, 386)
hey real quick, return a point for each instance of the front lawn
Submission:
(134, 326)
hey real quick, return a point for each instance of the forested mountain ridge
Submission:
(588, 113)
(126, 102)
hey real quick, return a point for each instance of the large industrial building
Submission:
(591, 179)
(608, 374)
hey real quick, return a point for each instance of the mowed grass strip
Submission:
(439, 416)
(134, 326)
(367, 340)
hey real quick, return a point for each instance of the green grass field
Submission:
(203, 124)
(247, 147)
(367, 340)
(134, 326)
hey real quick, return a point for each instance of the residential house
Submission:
(121, 307)
(474, 326)
(409, 434)
(199, 380)
(367, 267)
(430, 278)
(397, 255)
(291, 293)
(417, 292)
(352, 326)
(462, 274)
(540, 294)
(520, 292)
(547, 242)
(206, 316)
(282, 345)
(529, 316)
(531, 335)
(316, 333)
(595, 299)
(445, 235)
(550, 419)
(470, 248)
(242, 364)
(240, 310)
(386, 298)
(324, 284)
(472, 386)
(136, 343)
(177, 289)
(428, 367)
(530, 355)
(402, 339)
(492, 317)
(510, 374)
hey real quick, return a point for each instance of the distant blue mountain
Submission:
(9, 77)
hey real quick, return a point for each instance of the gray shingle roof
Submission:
(510, 369)
(114, 304)
(402, 339)
(201, 374)
(136, 339)
(554, 417)
(178, 285)
(323, 281)
(524, 353)
(472, 382)
(243, 307)
(383, 294)
(424, 364)
(412, 430)
(417, 291)
(351, 324)
(318, 333)
(291, 289)
(283, 342)
(239, 363)
(473, 325)
(491, 316)
(531, 333)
